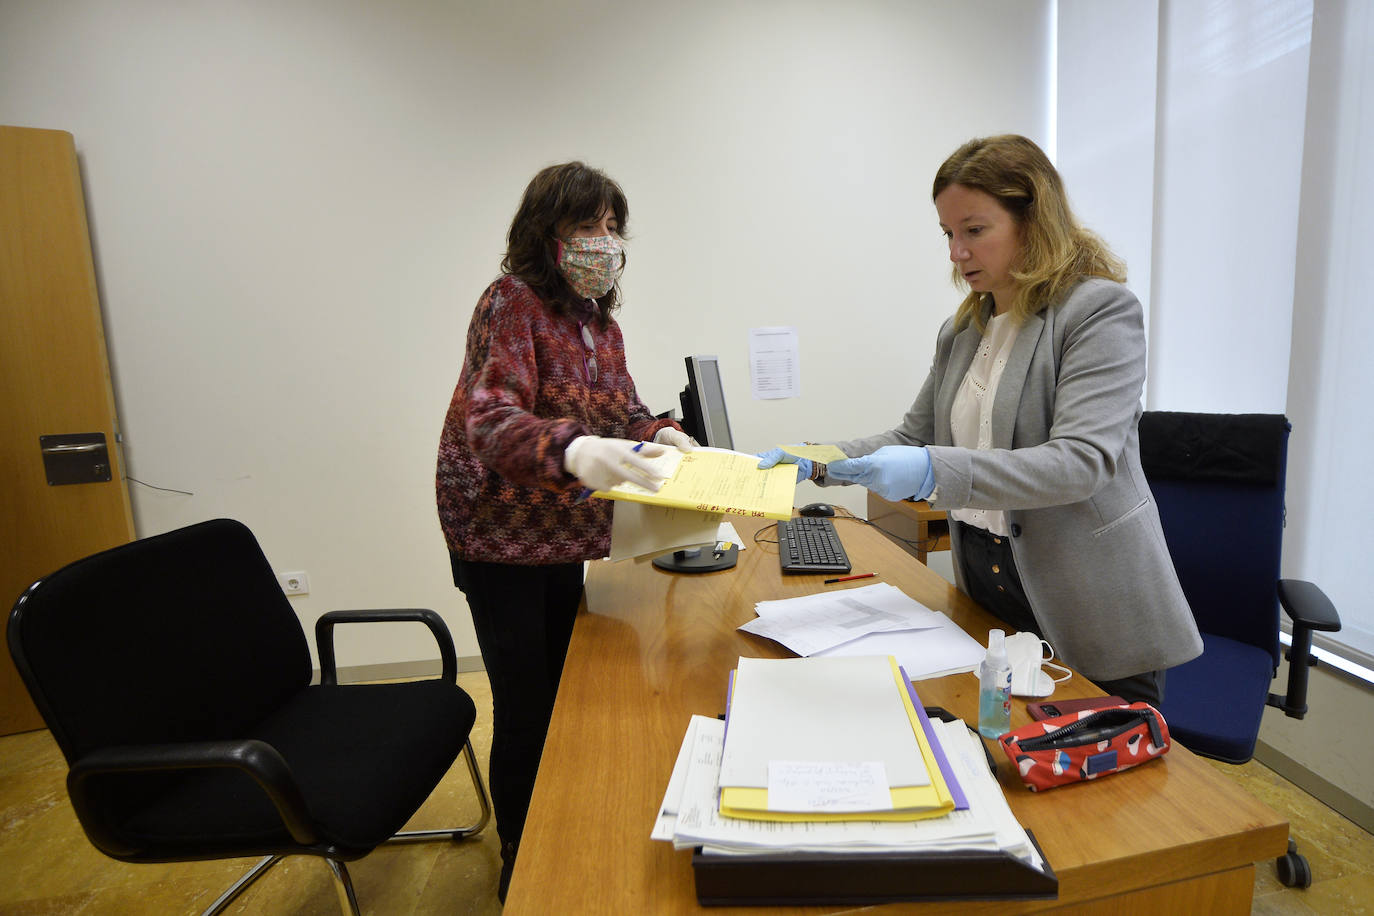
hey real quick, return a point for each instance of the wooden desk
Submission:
(653, 648)
(920, 528)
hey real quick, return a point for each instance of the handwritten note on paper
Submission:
(715, 480)
(809, 786)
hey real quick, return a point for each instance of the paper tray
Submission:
(867, 878)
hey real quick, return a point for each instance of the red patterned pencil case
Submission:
(1086, 745)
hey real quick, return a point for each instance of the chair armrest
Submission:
(1307, 606)
(258, 759)
(324, 636)
(1309, 609)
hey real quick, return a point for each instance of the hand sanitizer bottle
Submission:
(994, 688)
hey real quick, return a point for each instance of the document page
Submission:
(716, 480)
(814, 623)
(932, 651)
(689, 815)
(774, 363)
(834, 709)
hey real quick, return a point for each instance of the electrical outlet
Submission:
(294, 583)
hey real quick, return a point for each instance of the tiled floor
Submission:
(48, 867)
(1340, 852)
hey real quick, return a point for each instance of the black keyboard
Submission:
(811, 545)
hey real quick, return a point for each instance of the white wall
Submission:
(295, 205)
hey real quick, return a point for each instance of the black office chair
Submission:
(1219, 483)
(175, 677)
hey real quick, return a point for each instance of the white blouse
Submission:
(970, 416)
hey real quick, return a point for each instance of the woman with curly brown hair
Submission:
(544, 411)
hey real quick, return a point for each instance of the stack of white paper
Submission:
(827, 739)
(689, 815)
(873, 620)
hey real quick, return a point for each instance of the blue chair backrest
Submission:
(1219, 483)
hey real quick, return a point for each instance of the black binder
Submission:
(857, 879)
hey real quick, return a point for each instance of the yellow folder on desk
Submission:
(857, 709)
(715, 480)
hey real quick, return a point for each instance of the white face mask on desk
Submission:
(1026, 653)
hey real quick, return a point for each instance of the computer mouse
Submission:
(817, 509)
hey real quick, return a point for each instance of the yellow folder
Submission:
(909, 802)
(709, 480)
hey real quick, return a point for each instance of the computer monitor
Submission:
(703, 404)
(704, 419)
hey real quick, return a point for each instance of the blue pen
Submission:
(587, 491)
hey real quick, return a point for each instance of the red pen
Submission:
(850, 578)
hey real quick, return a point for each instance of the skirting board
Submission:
(401, 670)
(1329, 794)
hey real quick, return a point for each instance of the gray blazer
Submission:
(1065, 468)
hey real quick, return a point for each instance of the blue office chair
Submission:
(1219, 483)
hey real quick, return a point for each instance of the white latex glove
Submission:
(601, 463)
(669, 436)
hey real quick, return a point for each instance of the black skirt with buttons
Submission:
(992, 580)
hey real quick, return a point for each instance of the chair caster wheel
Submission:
(1293, 868)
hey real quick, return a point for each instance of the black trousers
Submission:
(523, 616)
(993, 581)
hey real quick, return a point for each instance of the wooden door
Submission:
(54, 380)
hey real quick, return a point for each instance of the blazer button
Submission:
(1015, 531)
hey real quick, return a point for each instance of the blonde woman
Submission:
(1025, 429)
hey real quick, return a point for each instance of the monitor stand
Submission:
(698, 560)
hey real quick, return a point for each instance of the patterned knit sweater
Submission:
(523, 395)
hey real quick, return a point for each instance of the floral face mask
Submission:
(591, 265)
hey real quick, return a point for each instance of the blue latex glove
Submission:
(893, 472)
(778, 456)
